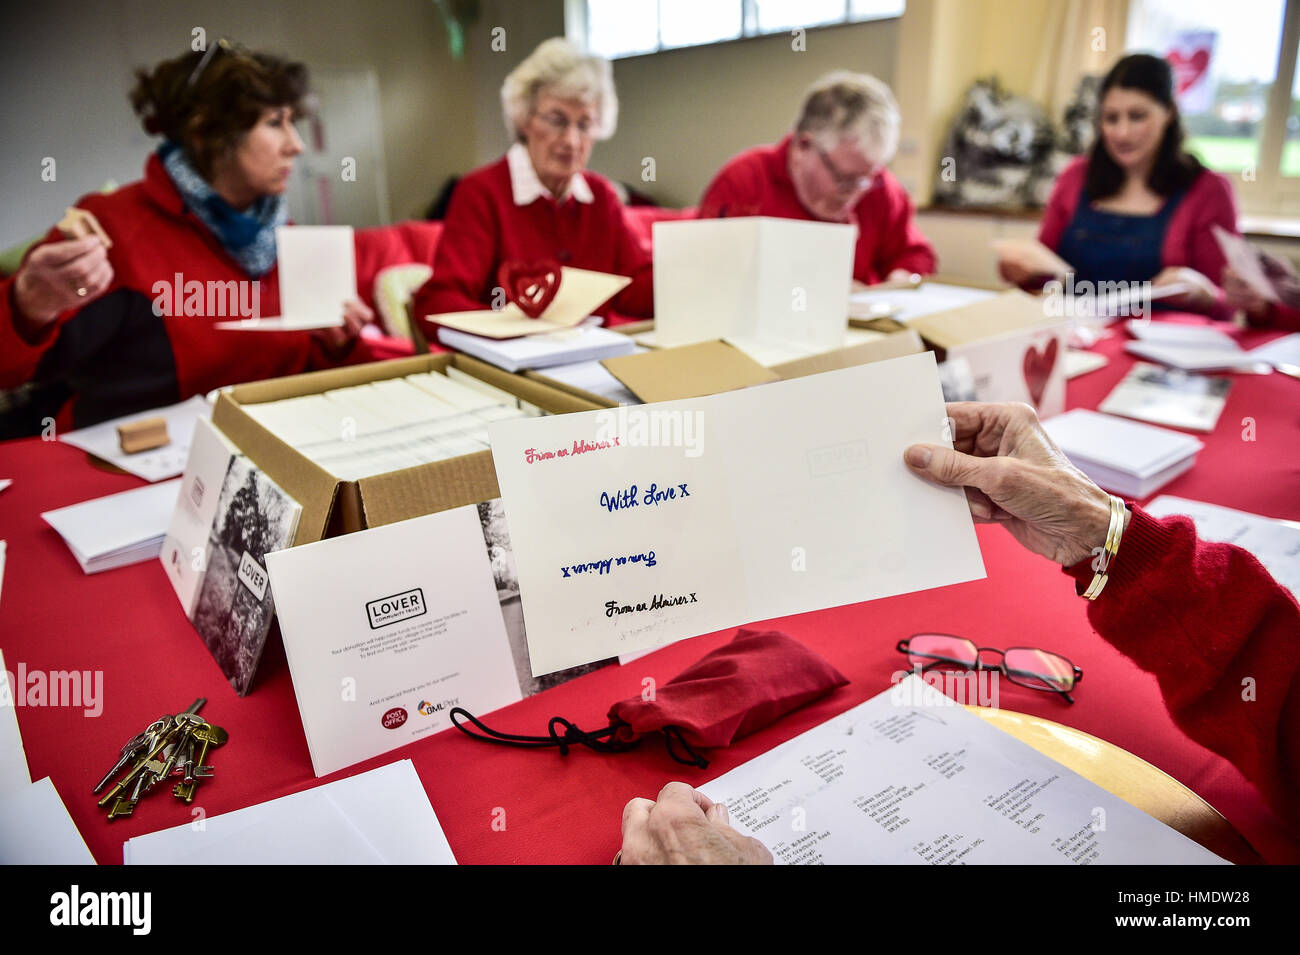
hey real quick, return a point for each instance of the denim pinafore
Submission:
(1114, 247)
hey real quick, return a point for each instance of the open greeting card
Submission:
(635, 527)
(318, 274)
(573, 297)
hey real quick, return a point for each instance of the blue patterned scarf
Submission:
(248, 236)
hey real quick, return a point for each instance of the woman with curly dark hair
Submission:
(91, 330)
(1138, 207)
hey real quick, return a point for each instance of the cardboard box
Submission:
(331, 506)
(1016, 352)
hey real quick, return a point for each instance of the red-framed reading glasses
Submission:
(1024, 666)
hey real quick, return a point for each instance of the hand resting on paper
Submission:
(337, 342)
(1201, 295)
(685, 827)
(1016, 476)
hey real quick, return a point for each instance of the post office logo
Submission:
(837, 458)
(394, 718)
(398, 607)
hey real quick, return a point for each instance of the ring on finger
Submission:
(81, 291)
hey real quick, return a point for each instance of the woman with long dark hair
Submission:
(1139, 207)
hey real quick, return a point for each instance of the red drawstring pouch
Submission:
(729, 693)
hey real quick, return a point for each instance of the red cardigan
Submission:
(484, 227)
(1189, 240)
(757, 183)
(1206, 618)
(118, 357)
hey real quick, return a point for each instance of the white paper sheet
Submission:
(5, 483)
(750, 504)
(119, 529)
(1276, 543)
(929, 298)
(35, 828)
(768, 279)
(168, 461)
(317, 266)
(593, 377)
(410, 614)
(1194, 357)
(379, 816)
(1281, 351)
(14, 774)
(1122, 456)
(1243, 260)
(1082, 362)
(908, 778)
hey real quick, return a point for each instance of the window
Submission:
(1237, 86)
(615, 28)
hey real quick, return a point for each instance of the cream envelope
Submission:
(581, 292)
(637, 526)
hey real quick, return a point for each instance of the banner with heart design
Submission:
(1190, 55)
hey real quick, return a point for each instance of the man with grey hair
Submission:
(831, 167)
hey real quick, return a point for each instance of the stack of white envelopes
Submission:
(1125, 457)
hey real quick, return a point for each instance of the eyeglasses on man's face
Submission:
(846, 183)
(1025, 666)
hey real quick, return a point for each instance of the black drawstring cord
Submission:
(602, 741)
(695, 759)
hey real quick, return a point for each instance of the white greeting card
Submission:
(317, 267)
(387, 629)
(752, 278)
(634, 527)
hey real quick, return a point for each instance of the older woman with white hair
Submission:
(539, 204)
(831, 167)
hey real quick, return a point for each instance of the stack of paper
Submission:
(390, 424)
(168, 461)
(593, 377)
(1169, 396)
(379, 817)
(1276, 544)
(1125, 457)
(119, 529)
(584, 343)
(1190, 347)
(910, 778)
(908, 304)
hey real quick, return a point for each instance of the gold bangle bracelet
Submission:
(1114, 533)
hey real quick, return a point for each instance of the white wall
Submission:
(67, 69)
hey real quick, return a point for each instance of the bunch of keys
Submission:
(171, 745)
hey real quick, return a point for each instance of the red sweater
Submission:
(484, 228)
(114, 356)
(1206, 618)
(757, 183)
(1189, 241)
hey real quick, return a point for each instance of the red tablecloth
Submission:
(128, 624)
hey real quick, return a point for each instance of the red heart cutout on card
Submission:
(1037, 367)
(530, 285)
(1188, 69)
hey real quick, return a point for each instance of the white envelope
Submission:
(775, 280)
(773, 500)
(101, 440)
(317, 265)
(381, 816)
